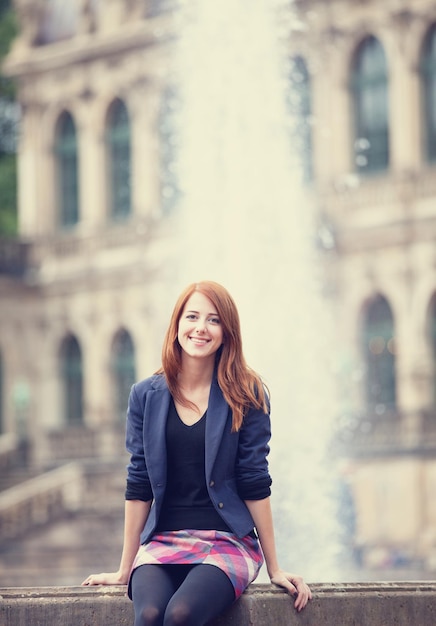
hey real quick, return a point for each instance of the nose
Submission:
(201, 326)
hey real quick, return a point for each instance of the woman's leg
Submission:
(205, 593)
(152, 587)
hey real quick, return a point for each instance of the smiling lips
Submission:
(201, 341)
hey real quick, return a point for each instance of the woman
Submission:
(197, 497)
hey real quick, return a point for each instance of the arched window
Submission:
(428, 77)
(369, 89)
(118, 150)
(432, 338)
(67, 171)
(123, 370)
(379, 355)
(299, 102)
(72, 380)
(168, 145)
(1, 396)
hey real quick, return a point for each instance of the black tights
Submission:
(179, 595)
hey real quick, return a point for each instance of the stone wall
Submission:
(360, 604)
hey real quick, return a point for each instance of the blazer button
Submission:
(212, 483)
(221, 505)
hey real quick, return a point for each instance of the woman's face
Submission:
(200, 333)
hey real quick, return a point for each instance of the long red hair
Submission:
(242, 387)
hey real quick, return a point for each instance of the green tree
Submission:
(9, 114)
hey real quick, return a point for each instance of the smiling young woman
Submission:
(198, 521)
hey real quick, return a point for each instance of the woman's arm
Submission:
(262, 515)
(135, 516)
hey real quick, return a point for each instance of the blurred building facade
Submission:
(81, 302)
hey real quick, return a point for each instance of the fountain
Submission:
(246, 220)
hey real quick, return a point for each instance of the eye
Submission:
(191, 316)
(214, 320)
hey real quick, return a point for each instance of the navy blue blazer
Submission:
(234, 462)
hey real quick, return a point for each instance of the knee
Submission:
(148, 616)
(178, 614)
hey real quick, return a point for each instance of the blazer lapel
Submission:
(217, 412)
(155, 419)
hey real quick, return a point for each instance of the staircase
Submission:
(58, 526)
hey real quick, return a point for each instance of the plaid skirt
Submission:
(240, 559)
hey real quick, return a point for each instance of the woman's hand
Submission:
(295, 586)
(105, 578)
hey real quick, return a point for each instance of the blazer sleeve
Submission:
(252, 474)
(138, 485)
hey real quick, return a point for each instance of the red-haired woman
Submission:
(198, 521)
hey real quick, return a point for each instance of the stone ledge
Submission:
(347, 604)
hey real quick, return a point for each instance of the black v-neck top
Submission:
(187, 503)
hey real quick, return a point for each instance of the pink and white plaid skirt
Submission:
(240, 559)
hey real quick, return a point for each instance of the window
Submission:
(379, 355)
(428, 77)
(369, 89)
(67, 170)
(119, 160)
(123, 371)
(169, 185)
(72, 380)
(432, 337)
(299, 103)
(1, 396)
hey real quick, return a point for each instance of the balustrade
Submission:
(40, 499)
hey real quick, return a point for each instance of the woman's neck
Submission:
(194, 382)
(195, 374)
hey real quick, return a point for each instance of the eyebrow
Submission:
(198, 312)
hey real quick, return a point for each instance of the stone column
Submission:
(404, 93)
(32, 156)
(408, 330)
(331, 96)
(111, 15)
(92, 181)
